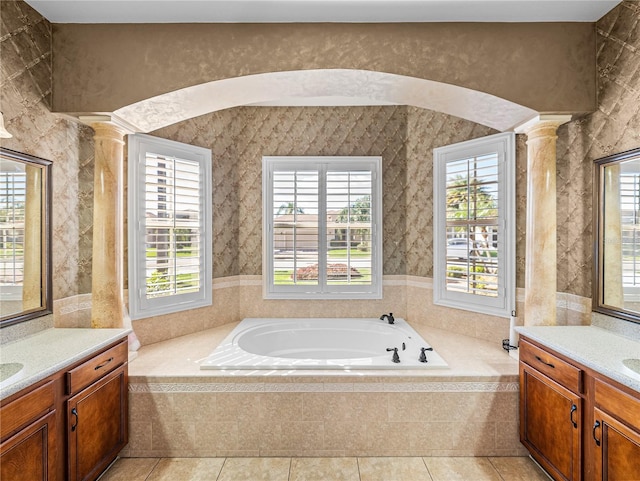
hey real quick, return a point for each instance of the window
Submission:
(13, 194)
(474, 225)
(169, 226)
(322, 227)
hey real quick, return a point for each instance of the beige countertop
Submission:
(595, 348)
(50, 351)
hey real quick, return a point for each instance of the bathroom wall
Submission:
(25, 100)
(613, 127)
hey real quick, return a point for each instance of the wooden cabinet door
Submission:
(550, 424)
(97, 425)
(617, 449)
(30, 454)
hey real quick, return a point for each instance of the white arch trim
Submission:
(360, 85)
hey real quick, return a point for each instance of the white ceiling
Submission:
(268, 11)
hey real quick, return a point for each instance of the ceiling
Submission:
(282, 11)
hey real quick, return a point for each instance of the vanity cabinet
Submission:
(577, 423)
(616, 434)
(71, 425)
(97, 414)
(28, 449)
(551, 411)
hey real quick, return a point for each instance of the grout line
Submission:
(221, 468)
(427, 468)
(496, 469)
(290, 463)
(358, 465)
(152, 469)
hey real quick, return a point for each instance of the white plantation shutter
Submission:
(474, 225)
(13, 192)
(322, 227)
(169, 225)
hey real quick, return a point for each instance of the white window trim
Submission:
(270, 291)
(504, 145)
(139, 306)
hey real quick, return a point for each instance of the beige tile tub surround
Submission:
(468, 410)
(326, 469)
(409, 297)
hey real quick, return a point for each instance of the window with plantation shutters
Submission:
(474, 225)
(322, 227)
(169, 226)
(13, 194)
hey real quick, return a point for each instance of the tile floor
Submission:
(325, 469)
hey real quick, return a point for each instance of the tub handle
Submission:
(423, 355)
(395, 358)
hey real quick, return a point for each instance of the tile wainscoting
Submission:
(410, 297)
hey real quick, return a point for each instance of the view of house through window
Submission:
(321, 225)
(170, 225)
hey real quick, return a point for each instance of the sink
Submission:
(632, 364)
(9, 372)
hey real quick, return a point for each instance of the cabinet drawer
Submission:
(26, 409)
(618, 404)
(555, 368)
(96, 367)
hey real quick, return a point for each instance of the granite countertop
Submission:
(50, 351)
(592, 347)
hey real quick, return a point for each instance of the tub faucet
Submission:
(395, 357)
(389, 318)
(423, 355)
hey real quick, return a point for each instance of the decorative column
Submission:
(612, 245)
(108, 245)
(541, 257)
(32, 284)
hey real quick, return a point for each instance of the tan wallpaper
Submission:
(25, 99)
(403, 136)
(614, 127)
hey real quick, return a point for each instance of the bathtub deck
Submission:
(470, 409)
(469, 359)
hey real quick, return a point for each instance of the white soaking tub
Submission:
(322, 343)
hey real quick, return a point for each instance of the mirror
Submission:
(617, 230)
(25, 237)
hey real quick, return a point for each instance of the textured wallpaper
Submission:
(403, 136)
(25, 97)
(614, 127)
(238, 137)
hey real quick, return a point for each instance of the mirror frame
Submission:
(598, 304)
(47, 304)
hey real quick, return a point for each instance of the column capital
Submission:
(109, 125)
(543, 124)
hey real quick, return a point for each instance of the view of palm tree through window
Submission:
(172, 226)
(473, 233)
(322, 227)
